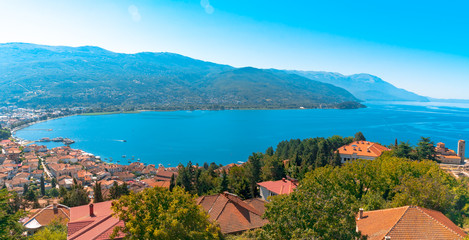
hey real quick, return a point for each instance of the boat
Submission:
(123, 156)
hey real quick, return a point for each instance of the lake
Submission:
(230, 136)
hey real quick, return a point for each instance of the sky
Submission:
(421, 46)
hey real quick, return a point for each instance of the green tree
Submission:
(10, 227)
(254, 172)
(157, 213)
(97, 193)
(359, 137)
(172, 183)
(75, 196)
(403, 150)
(426, 149)
(224, 182)
(54, 231)
(238, 182)
(319, 209)
(53, 183)
(43, 188)
(4, 133)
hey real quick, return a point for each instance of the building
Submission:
(448, 156)
(272, 188)
(361, 150)
(45, 216)
(233, 214)
(409, 222)
(93, 221)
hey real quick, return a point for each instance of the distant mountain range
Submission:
(50, 76)
(364, 86)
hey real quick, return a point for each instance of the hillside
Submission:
(364, 86)
(49, 76)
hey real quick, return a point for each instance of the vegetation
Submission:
(157, 213)
(97, 193)
(54, 231)
(328, 198)
(10, 227)
(4, 133)
(425, 149)
(93, 77)
(116, 191)
(75, 196)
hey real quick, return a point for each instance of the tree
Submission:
(97, 193)
(269, 151)
(54, 231)
(43, 188)
(53, 183)
(403, 150)
(10, 227)
(25, 188)
(4, 133)
(75, 196)
(319, 209)
(224, 182)
(157, 213)
(254, 172)
(172, 183)
(238, 182)
(359, 137)
(426, 149)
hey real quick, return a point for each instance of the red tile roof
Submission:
(233, 214)
(363, 148)
(409, 222)
(82, 226)
(284, 186)
(46, 215)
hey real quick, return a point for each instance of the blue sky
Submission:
(421, 46)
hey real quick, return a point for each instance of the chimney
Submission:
(54, 207)
(360, 213)
(284, 180)
(387, 237)
(91, 210)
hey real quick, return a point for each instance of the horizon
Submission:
(416, 47)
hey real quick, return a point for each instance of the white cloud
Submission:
(206, 5)
(134, 13)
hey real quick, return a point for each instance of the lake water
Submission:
(229, 136)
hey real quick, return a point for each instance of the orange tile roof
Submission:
(82, 226)
(409, 222)
(284, 186)
(363, 148)
(233, 214)
(46, 215)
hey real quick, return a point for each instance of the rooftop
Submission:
(409, 222)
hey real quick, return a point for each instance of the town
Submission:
(40, 175)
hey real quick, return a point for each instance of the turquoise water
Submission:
(228, 136)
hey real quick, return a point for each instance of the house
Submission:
(124, 176)
(448, 156)
(44, 216)
(409, 222)
(272, 188)
(93, 221)
(361, 150)
(233, 214)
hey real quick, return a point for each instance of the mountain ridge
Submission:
(61, 76)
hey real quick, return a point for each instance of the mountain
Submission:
(56, 76)
(364, 86)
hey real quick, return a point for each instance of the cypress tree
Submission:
(98, 194)
(43, 188)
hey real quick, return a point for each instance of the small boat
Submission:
(123, 156)
(138, 159)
